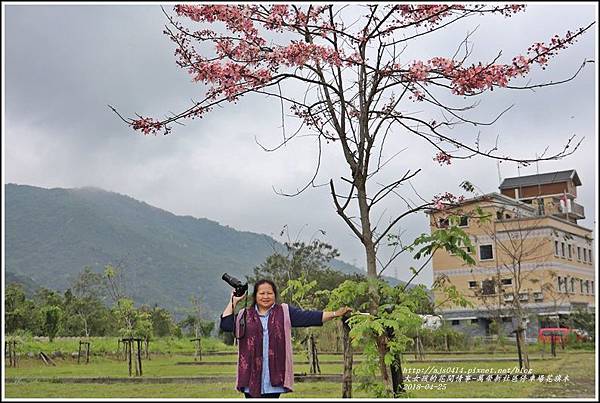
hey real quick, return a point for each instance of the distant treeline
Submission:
(83, 310)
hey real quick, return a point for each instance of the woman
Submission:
(265, 365)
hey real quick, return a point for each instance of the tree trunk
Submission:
(315, 355)
(367, 235)
(382, 348)
(348, 358)
(522, 348)
(396, 370)
(419, 353)
(128, 345)
(198, 351)
(139, 357)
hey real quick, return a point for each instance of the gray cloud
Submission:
(65, 63)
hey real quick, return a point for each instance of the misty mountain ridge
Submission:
(53, 234)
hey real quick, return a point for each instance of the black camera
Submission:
(240, 288)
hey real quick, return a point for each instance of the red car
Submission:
(546, 333)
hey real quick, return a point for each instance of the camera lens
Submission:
(232, 281)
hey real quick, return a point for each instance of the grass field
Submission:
(173, 345)
(104, 345)
(167, 366)
(579, 367)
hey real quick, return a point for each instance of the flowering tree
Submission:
(359, 88)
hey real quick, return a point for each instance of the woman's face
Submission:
(265, 297)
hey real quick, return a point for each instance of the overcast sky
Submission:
(62, 65)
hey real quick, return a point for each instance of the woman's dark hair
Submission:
(261, 282)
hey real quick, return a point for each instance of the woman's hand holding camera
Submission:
(233, 301)
(236, 299)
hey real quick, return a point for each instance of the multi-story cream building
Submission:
(532, 260)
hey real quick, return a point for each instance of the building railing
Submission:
(578, 209)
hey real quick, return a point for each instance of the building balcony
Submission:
(577, 211)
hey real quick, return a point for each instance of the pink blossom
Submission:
(299, 53)
(278, 15)
(243, 61)
(441, 201)
(147, 125)
(443, 158)
(417, 95)
(418, 71)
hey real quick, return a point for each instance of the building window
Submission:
(572, 284)
(569, 251)
(469, 249)
(587, 286)
(506, 281)
(584, 254)
(590, 256)
(579, 253)
(592, 286)
(486, 252)
(499, 215)
(455, 322)
(444, 223)
(464, 221)
(488, 287)
(559, 282)
(541, 207)
(565, 284)
(474, 321)
(472, 284)
(556, 253)
(506, 319)
(562, 249)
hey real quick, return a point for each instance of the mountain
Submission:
(53, 234)
(29, 286)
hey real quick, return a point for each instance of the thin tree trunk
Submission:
(139, 356)
(382, 349)
(396, 370)
(523, 348)
(419, 353)
(313, 355)
(128, 348)
(518, 336)
(367, 234)
(348, 358)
